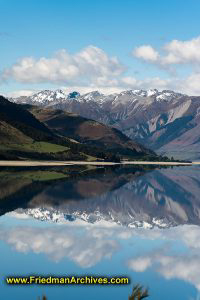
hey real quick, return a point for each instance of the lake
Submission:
(136, 222)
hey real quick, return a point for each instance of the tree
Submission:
(138, 293)
(43, 298)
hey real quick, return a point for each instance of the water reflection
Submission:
(88, 245)
(131, 221)
(132, 197)
(84, 245)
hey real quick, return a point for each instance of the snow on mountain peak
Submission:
(95, 96)
(168, 95)
(89, 96)
(152, 92)
(47, 96)
(146, 97)
(60, 94)
(56, 216)
(141, 93)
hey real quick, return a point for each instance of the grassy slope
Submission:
(9, 134)
(21, 135)
(40, 147)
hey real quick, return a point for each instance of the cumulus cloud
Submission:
(188, 85)
(105, 87)
(93, 69)
(140, 264)
(86, 250)
(151, 83)
(90, 64)
(174, 52)
(146, 52)
(184, 266)
(19, 93)
(181, 52)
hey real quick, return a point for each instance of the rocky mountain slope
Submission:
(88, 131)
(166, 121)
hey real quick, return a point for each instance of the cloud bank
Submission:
(174, 52)
(91, 64)
(93, 69)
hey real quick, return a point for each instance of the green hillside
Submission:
(23, 136)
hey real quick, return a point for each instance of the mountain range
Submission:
(28, 132)
(165, 121)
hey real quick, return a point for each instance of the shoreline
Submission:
(13, 163)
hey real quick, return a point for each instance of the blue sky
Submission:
(99, 45)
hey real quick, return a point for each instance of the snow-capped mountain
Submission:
(166, 121)
(48, 97)
(43, 98)
(55, 216)
(99, 98)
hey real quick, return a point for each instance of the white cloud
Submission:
(89, 65)
(87, 89)
(19, 93)
(146, 52)
(188, 85)
(106, 88)
(174, 52)
(93, 69)
(146, 83)
(129, 81)
(184, 266)
(191, 84)
(140, 264)
(85, 249)
(181, 52)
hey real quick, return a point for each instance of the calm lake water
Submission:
(135, 222)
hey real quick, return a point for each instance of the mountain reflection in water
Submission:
(136, 222)
(132, 197)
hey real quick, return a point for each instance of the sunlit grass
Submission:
(40, 147)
